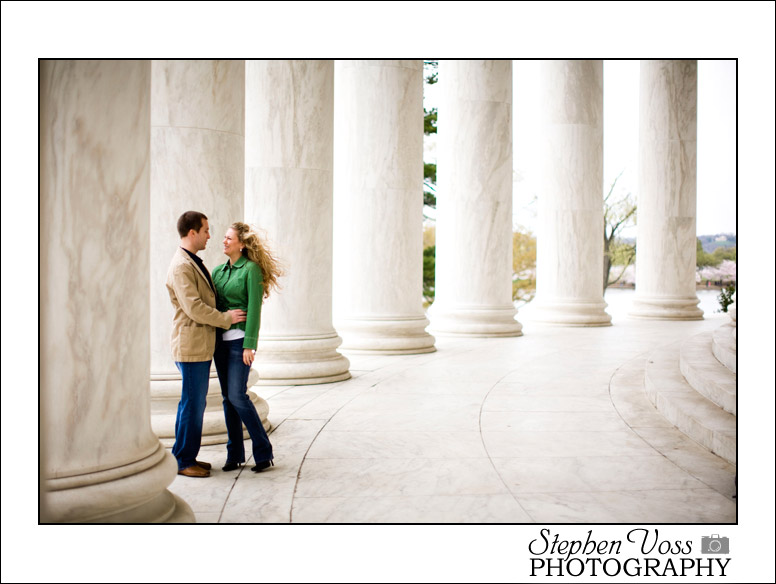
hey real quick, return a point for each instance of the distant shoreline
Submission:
(697, 286)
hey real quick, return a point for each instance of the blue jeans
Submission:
(238, 408)
(191, 411)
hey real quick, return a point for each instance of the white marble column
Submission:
(197, 164)
(570, 244)
(289, 133)
(666, 239)
(474, 206)
(101, 462)
(378, 207)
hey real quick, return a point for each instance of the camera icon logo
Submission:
(714, 544)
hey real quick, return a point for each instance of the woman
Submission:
(242, 282)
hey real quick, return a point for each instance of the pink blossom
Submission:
(725, 272)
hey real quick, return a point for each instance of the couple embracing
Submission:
(217, 318)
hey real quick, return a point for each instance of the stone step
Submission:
(705, 373)
(626, 389)
(723, 345)
(693, 414)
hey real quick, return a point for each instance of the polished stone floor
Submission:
(550, 427)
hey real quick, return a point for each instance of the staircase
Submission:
(693, 384)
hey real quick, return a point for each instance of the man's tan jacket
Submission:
(193, 326)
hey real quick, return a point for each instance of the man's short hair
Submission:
(190, 220)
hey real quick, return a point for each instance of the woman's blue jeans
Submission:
(238, 408)
(191, 411)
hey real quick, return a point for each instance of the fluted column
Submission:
(101, 462)
(378, 207)
(570, 248)
(666, 240)
(288, 193)
(474, 207)
(197, 164)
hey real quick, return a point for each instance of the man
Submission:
(193, 337)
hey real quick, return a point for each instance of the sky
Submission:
(716, 180)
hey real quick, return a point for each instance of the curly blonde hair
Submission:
(256, 251)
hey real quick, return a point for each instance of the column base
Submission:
(133, 493)
(386, 336)
(572, 313)
(475, 322)
(300, 361)
(666, 308)
(166, 393)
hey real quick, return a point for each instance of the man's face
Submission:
(202, 236)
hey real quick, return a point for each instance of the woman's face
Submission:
(232, 243)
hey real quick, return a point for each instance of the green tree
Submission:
(429, 172)
(429, 191)
(622, 253)
(523, 265)
(704, 259)
(618, 214)
(726, 297)
(429, 269)
(430, 121)
(431, 72)
(724, 253)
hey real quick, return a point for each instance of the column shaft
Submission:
(570, 251)
(666, 241)
(378, 207)
(197, 164)
(101, 462)
(288, 193)
(474, 207)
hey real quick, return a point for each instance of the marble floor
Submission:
(550, 427)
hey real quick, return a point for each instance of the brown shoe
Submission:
(194, 471)
(205, 465)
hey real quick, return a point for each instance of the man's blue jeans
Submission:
(191, 411)
(238, 408)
